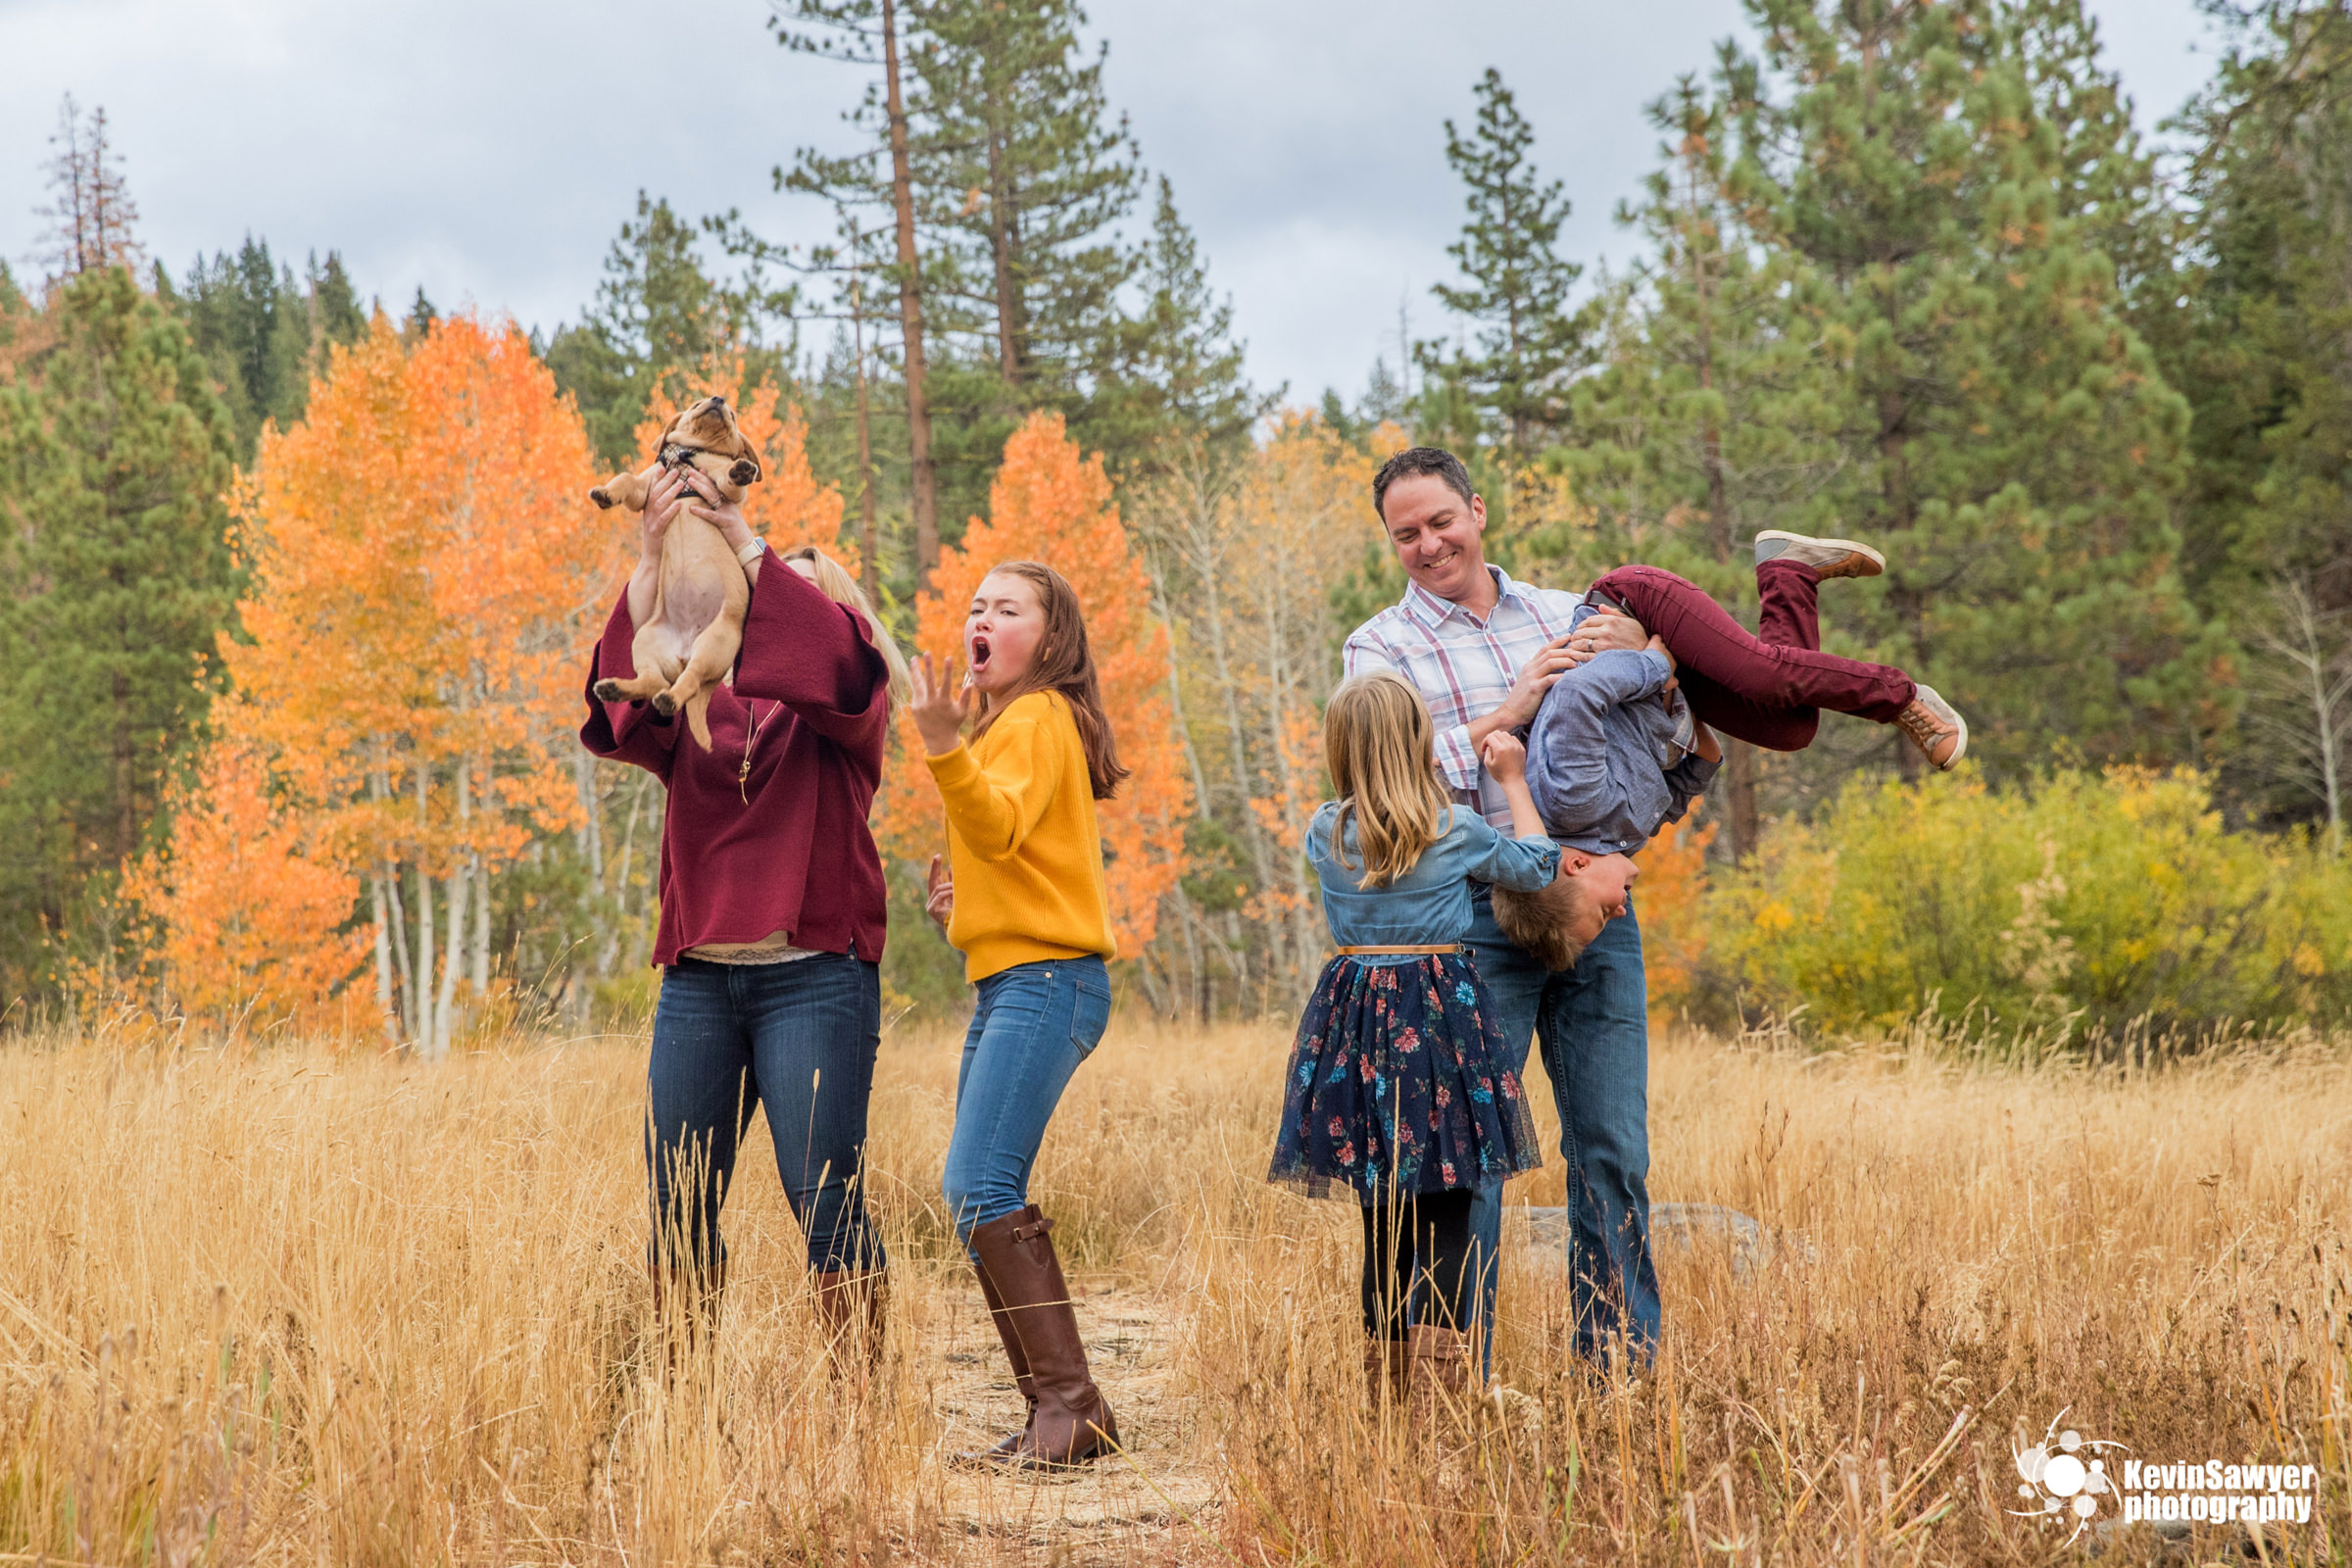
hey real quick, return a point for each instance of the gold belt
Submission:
(1419, 946)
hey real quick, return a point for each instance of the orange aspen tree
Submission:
(1052, 503)
(788, 506)
(1673, 897)
(250, 914)
(422, 574)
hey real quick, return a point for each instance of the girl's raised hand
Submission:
(939, 896)
(939, 705)
(1503, 756)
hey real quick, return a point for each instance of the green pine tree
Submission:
(114, 452)
(657, 313)
(1021, 179)
(1174, 393)
(2261, 350)
(1715, 412)
(2010, 440)
(1511, 379)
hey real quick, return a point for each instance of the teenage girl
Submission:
(1026, 906)
(1396, 1096)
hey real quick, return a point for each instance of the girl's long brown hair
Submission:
(1064, 664)
(1381, 747)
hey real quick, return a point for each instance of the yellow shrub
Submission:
(2104, 897)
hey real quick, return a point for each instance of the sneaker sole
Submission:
(1877, 562)
(1959, 718)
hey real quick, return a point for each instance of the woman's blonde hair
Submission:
(1381, 747)
(834, 581)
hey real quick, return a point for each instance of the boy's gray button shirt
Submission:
(1597, 754)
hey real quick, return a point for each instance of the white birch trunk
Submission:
(383, 960)
(420, 1011)
(482, 931)
(453, 959)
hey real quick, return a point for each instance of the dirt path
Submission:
(1151, 1505)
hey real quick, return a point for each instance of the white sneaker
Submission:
(1829, 558)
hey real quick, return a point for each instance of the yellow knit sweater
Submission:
(1022, 841)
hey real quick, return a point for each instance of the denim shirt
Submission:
(1606, 760)
(1431, 903)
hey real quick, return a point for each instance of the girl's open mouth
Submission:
(979, 654)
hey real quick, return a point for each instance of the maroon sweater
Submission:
(797, 854)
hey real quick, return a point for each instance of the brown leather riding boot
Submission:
(851, 1305)
(1019, 1358)
(1069, 1424)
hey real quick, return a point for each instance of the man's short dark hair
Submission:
(1413, 461)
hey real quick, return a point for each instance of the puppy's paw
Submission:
(744, 471)
(608, 690)
(601, 497)
(666, 704)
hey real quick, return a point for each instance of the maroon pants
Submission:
(1766, 688)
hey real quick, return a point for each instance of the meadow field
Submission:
(292, 1306)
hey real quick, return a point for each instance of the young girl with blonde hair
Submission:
(1028, 909)
(1395, 1097)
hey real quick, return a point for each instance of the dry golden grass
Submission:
(300, 1307)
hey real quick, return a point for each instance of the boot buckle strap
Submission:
(1025, 1233)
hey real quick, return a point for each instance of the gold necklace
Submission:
(743, 775)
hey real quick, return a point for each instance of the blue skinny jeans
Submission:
(1033, 1025)
(797, 1038)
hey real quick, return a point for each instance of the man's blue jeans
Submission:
(1034, 1024)
(798, 1038)
(1594, 1022)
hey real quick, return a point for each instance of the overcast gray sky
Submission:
(488, 149)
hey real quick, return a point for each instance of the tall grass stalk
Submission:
(292, 1306)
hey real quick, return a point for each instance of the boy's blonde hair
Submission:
(1381, 747)
(834, 581)
(1542, 921)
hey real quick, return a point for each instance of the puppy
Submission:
(688, 637)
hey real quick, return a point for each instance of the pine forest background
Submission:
(300, 574)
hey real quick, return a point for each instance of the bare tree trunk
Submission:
(420, 1014)
(405, 990)
(383, 960)
(481, 930)
(924, 483)
(870, 532)
(453, 961)
(421, 1001)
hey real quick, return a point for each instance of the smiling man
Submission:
(1483, 649)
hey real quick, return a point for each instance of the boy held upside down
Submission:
(1621, 742)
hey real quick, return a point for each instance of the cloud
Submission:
(489, 149)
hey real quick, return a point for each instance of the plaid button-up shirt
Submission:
(1462, 666)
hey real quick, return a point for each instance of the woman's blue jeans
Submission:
(1034, 1024)
(797, 1038)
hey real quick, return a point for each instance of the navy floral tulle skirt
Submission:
(1395, 1085)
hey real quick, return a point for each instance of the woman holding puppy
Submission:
(1027, 909)
(771, 923)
